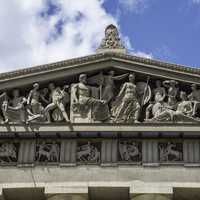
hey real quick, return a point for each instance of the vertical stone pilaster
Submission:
(109, 152)
(68, 152)
(26, 152)
(191, 151)
(150, 152)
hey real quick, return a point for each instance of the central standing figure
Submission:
(126, 108)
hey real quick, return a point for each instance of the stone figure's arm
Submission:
(164, 93)
(121, 91)
(120, 77)
(44, 99)
(3, 95)
(75, 88)
(29, 97)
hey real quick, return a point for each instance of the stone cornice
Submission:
(96, 57)
(171, 128)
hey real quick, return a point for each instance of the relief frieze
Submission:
(107, 97)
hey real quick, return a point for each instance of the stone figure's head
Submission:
(131, 77)
(194, 87)
(51, 86)
(36, 86)
(183, 95)
(45, 91)
(111, 73)
(158, 83)
(83, 78)
(15, 93)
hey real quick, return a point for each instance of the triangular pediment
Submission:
(107, 73)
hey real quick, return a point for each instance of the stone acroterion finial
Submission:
(112, 41)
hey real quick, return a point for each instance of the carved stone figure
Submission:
(194, 96)
(112, 39)
(184, 112)
(159, 96)
(159, 92)
(170, 152)
(34, 99)
(83, 100)
(107, 84)
(107, 89)
(14, 110)
(35, 110)
(172, 91)
(47, 152)
(129, 151)
(126, 108)
(8, 153)
(59, 98)
(88, 153)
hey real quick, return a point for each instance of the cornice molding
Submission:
(96, 57)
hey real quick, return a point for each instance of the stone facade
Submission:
(106, 126)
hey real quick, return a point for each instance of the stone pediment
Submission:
(107, 87)
(102, 88)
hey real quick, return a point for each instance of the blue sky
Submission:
(169, 30)
(54, 30)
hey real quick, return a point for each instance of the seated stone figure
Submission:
(194, 96)
(84, 101)
(159, 96)
(163, 112)
(14, 110)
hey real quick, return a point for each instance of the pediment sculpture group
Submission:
(103, 99)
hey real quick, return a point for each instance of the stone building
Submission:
(108, 126)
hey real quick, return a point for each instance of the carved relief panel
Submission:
(88, 152)
(129, 151)
(170, 151)
(9, 152)
(47, 152)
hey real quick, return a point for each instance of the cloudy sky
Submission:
(35, 32)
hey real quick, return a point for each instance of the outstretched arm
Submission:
(120, 77)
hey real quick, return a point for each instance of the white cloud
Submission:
(30, 35)
(195, 1)
(26, 38)
(137, 6)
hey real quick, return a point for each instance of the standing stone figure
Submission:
(107, 88)
(57, 97)
(34, 99)
(34, 108)
(172, 91)
(126, 108)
